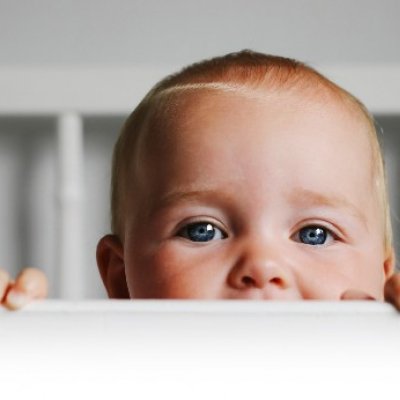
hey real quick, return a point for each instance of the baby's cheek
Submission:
(325, 273)
(372, 278)
(149, 273)
(362, 269)
(175, 270)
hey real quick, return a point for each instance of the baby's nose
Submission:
(264, 268)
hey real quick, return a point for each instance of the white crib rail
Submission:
(201, 349)
(70, 255)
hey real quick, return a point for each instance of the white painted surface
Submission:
(101, 308)
(180, 31)
(197, 350)
(70, 259)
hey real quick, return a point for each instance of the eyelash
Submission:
(211, 229)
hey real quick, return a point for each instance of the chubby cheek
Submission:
(349, 269)
(174, 270)
(368, 273)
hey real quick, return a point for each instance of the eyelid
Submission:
(336, 232)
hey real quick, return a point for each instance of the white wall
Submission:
(180, 31)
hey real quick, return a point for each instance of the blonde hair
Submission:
(252, 74)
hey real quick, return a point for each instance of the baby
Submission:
(247, 176)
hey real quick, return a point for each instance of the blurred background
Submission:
(71, 71)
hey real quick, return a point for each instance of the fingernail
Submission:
(353, 294)
(15, 300)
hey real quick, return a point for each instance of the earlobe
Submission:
(110, 261)
(389, 264)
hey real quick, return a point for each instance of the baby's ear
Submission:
(110, 261)
(389, 264)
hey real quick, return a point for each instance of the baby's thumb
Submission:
(30, 284)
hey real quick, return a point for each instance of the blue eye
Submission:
(201, 232)
(313, 235)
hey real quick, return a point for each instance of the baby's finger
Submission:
(353, 294)
(30, 284)
(392, 290)
(4, 282)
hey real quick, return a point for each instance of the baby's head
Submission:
(247, 176)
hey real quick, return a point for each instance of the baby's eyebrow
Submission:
(178, 196)
(311, 198)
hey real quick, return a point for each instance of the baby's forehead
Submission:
(190, 122)
(186, 118)
(307, 155)
(190, 103)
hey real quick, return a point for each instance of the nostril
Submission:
(278, 281)
(248, 281)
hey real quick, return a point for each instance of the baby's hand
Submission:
(30, 284)
(392, 290)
